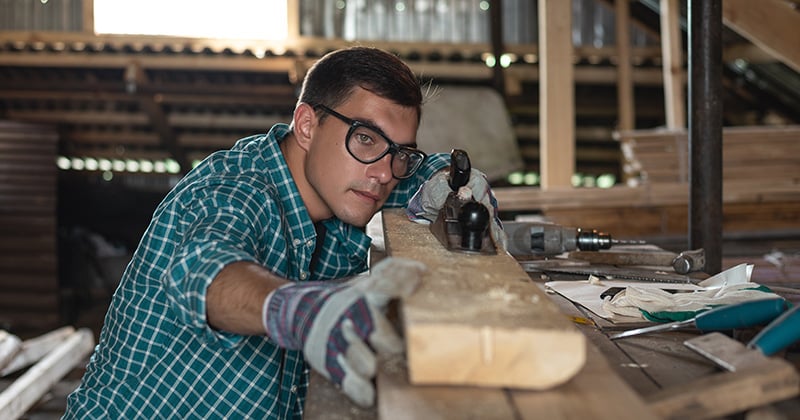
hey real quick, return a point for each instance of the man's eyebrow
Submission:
(373, 125)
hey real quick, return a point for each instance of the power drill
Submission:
(548, 239)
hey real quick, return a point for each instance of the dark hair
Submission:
(332, 79)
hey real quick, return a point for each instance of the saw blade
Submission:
(611, 272)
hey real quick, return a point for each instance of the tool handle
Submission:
(460, 169)
(740, 315)
(779, 334)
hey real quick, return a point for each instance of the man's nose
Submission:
(382, 169)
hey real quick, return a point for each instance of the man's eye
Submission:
(365, 139)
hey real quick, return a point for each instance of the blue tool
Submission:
(779, 334)
(734, 356)
(739, 315)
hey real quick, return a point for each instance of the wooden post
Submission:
(672, 62)
(293, 20)
(556, 94)
(625, 82)
(88, 17)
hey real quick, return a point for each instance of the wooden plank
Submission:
(34, 349)
(596, 393)
(399, 400)
(727, 393)
(482, 311)
(556, 94)
(31, 386)
(672, 62)
(770, 24)
(627, 368)
(10, 345)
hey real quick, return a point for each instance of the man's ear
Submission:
(304, 121)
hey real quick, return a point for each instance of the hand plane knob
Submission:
(474, 219)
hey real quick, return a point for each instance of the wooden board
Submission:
(483, 313)
(35, 382)
(726, 393)
(770, 24)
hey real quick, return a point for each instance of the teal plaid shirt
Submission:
(157, 357)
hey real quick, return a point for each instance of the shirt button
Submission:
(293, 389)
(309, 242)
(303, 275)
(296, 242)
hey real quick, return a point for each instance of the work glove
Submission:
(340, 327)
(429, 199)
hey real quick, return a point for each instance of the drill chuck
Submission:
(526, 238)
(592, 240)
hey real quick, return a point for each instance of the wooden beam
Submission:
(672, 59)
(31, 386)
(770, 24)
(293, 19)
(33, 350)
(482, 311)
(87, 16)
(135, 78)
(79, 117)
(625, 83)
(556, 94)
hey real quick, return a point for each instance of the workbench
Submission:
(648, 364)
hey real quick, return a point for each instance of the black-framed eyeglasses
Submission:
(368, 144)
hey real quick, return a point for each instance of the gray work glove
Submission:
(430, 198)
(341, 326)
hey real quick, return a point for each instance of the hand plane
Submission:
(462, 224)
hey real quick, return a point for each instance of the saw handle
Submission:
(779, 334)
(460, 169)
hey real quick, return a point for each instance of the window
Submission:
(228, 19)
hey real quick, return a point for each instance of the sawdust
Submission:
(502, 293)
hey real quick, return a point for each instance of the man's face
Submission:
(351, 190)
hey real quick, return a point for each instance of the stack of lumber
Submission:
(28, 244)
(761, 186)
(47, 358)
(767, 154)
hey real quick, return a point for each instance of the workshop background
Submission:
(95, 128)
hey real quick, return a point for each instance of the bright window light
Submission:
(230, 19)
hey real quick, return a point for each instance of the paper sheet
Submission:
(587, 293)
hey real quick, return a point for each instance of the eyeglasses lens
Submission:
(368, 145)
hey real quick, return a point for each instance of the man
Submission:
(227, 296)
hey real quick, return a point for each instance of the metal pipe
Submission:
(496, 34)
(705, 130)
